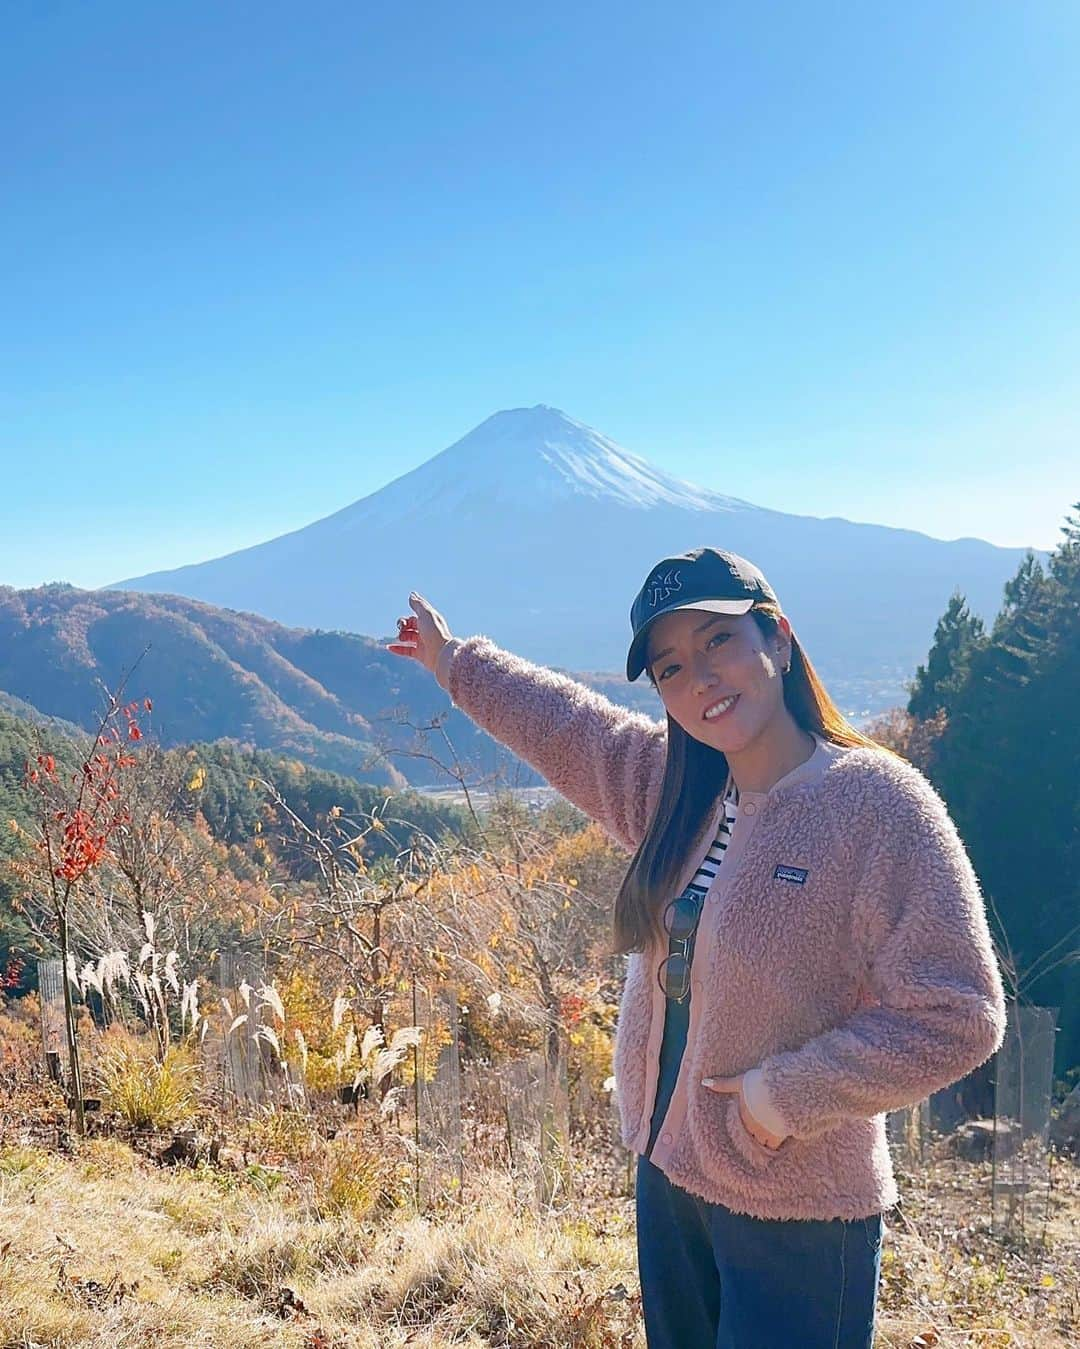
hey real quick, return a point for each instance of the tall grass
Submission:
(146, 1092)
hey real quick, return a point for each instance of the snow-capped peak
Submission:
(540, 455)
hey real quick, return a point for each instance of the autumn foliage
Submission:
(75, 818)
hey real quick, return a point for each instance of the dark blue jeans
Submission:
(714, 1279)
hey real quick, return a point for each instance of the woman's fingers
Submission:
(422, 633)
(429, 620)
(750, 1122)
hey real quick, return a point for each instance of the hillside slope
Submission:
(332, 699)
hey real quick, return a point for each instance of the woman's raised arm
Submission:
(605, 759)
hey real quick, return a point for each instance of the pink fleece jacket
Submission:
(843, 948)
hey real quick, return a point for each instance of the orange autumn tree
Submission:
(75, 818)
(202, 894)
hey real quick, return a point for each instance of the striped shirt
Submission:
(710, 865)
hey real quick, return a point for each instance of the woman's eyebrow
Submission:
(700, 628)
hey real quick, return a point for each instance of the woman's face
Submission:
(720, 677)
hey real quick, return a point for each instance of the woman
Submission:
(808, 949)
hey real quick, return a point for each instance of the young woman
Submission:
(808, 949)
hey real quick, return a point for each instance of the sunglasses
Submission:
(680, 919)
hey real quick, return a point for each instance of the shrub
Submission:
(356, 1175)
(273, 1133)
(147, 1092)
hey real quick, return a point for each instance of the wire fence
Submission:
(1024, 1079)
(462, 1114)
(51, 991)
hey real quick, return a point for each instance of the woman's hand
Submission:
(422, 635)
(733, 1086)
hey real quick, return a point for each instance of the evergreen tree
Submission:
(1021, 595)
(937, 684)
(1007, 766)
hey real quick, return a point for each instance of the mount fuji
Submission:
(537, 530)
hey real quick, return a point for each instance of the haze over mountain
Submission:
(537, 530)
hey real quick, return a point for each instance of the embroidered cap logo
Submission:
(661, 585)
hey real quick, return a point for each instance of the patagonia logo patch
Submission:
(796, 875)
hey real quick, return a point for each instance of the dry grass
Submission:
(104, 1248)
(94, 1254)
(145, 1092)
(494, 1275)
(947, 1282)
(107, 1249)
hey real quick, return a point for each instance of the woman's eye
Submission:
(717, 637)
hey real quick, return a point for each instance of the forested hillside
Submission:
(327, 698)
(217, 793)
(333, 699)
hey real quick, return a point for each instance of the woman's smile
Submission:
(721, 707)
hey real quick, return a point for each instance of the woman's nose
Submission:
(703, 673)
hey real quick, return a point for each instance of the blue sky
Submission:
(259, 259)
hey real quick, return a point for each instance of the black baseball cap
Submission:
(705, 578)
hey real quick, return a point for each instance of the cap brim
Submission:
(635, 660)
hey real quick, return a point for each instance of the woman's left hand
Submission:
(734, 1086)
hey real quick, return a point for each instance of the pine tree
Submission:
(938, 683)
(1006, 766)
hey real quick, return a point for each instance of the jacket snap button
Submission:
(665, 1138)
(749, 808)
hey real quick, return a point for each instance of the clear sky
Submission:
(260, 258)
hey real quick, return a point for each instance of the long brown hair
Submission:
(694, 776)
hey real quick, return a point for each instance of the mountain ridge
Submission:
(536, 529)
(211, 674)
(336, 700)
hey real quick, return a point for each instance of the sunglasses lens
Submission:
(680, 917)
(674, 974)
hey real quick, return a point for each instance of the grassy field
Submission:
(102, 1246)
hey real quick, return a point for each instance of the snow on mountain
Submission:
(541, 452)
(532, 459)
